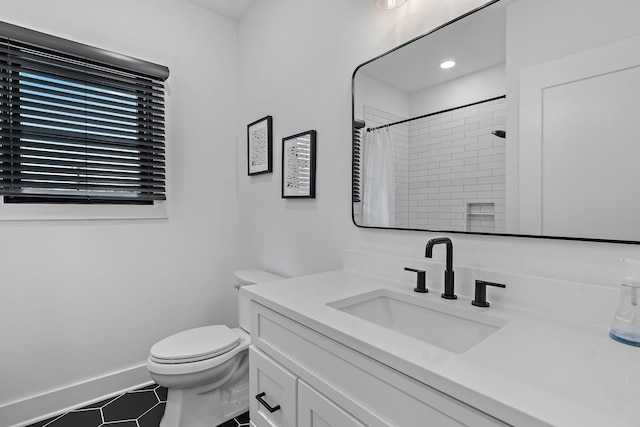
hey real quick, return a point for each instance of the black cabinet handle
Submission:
(265, 404)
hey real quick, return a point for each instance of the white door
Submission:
(315, 410)
(580, 144)
(272, 390)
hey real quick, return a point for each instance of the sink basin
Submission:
(441, 324)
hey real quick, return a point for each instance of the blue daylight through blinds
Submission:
(74, 130)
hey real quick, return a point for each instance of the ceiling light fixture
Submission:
(389, 4)
(447, 64)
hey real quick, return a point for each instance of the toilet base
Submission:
(202, 407)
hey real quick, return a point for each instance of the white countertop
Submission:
(536, 370)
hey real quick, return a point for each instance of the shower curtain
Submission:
(379, 179)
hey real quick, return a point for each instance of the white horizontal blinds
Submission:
(75, 130)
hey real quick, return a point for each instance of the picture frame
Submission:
(260, 146)
(299, 165)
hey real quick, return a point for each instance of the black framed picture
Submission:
(260, 146)
(299, 165)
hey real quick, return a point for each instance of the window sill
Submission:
(54, 212)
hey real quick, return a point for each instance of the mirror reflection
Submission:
(516, 119)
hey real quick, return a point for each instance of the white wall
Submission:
(296, 62)
(296, 59)
(374, 93)
(84, 299)
(475, 87)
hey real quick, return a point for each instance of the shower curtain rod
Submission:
(433, 114)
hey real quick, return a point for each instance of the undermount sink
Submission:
(440, 324)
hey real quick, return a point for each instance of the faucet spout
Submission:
(448, 272)
(428, 253)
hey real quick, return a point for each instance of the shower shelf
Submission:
(480, 217)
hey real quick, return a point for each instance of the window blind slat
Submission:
(154, 114)
(82, 151)
(59, 97)
(89, 179)
(84, 85)
(80, 199)
(150, 153)
(76, 161)
(80, 186)
(152, 173)
(74, 112)
(144, 90)
(23, 131)
(92, 127)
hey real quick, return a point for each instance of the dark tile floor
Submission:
(138, 408)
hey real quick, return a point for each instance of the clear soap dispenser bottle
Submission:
(626, 323)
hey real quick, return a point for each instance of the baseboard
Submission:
(40, 407)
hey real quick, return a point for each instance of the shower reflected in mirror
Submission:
(525, 132)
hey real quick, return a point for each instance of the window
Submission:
(77, 124)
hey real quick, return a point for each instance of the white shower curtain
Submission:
(379, 179)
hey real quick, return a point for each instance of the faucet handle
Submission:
(481, 292)
(422, 279)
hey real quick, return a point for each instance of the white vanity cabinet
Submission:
(318, 381)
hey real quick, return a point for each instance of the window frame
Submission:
(25, 207)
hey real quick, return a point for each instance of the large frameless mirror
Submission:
(519, 118)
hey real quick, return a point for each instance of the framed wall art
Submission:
(260, 146)
(299, 165)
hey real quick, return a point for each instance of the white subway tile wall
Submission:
(451, 171)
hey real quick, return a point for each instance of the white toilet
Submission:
(206, 370)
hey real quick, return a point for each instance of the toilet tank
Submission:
(249, 277)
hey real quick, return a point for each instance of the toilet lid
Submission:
(195, 344)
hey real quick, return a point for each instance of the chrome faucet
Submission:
(448, 272)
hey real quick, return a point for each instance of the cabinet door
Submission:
(315, 410)
(273, 392)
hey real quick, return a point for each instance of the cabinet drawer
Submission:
(315, 410)
(276, 387)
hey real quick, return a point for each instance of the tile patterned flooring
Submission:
(138, 408)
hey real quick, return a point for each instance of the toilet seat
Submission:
(195, 345)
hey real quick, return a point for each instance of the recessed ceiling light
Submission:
(447, 64)
(389, 4)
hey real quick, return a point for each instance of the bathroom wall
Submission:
(307, 52)
(296, 59)
(83, 301)
(474, 87)
(374, 93)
